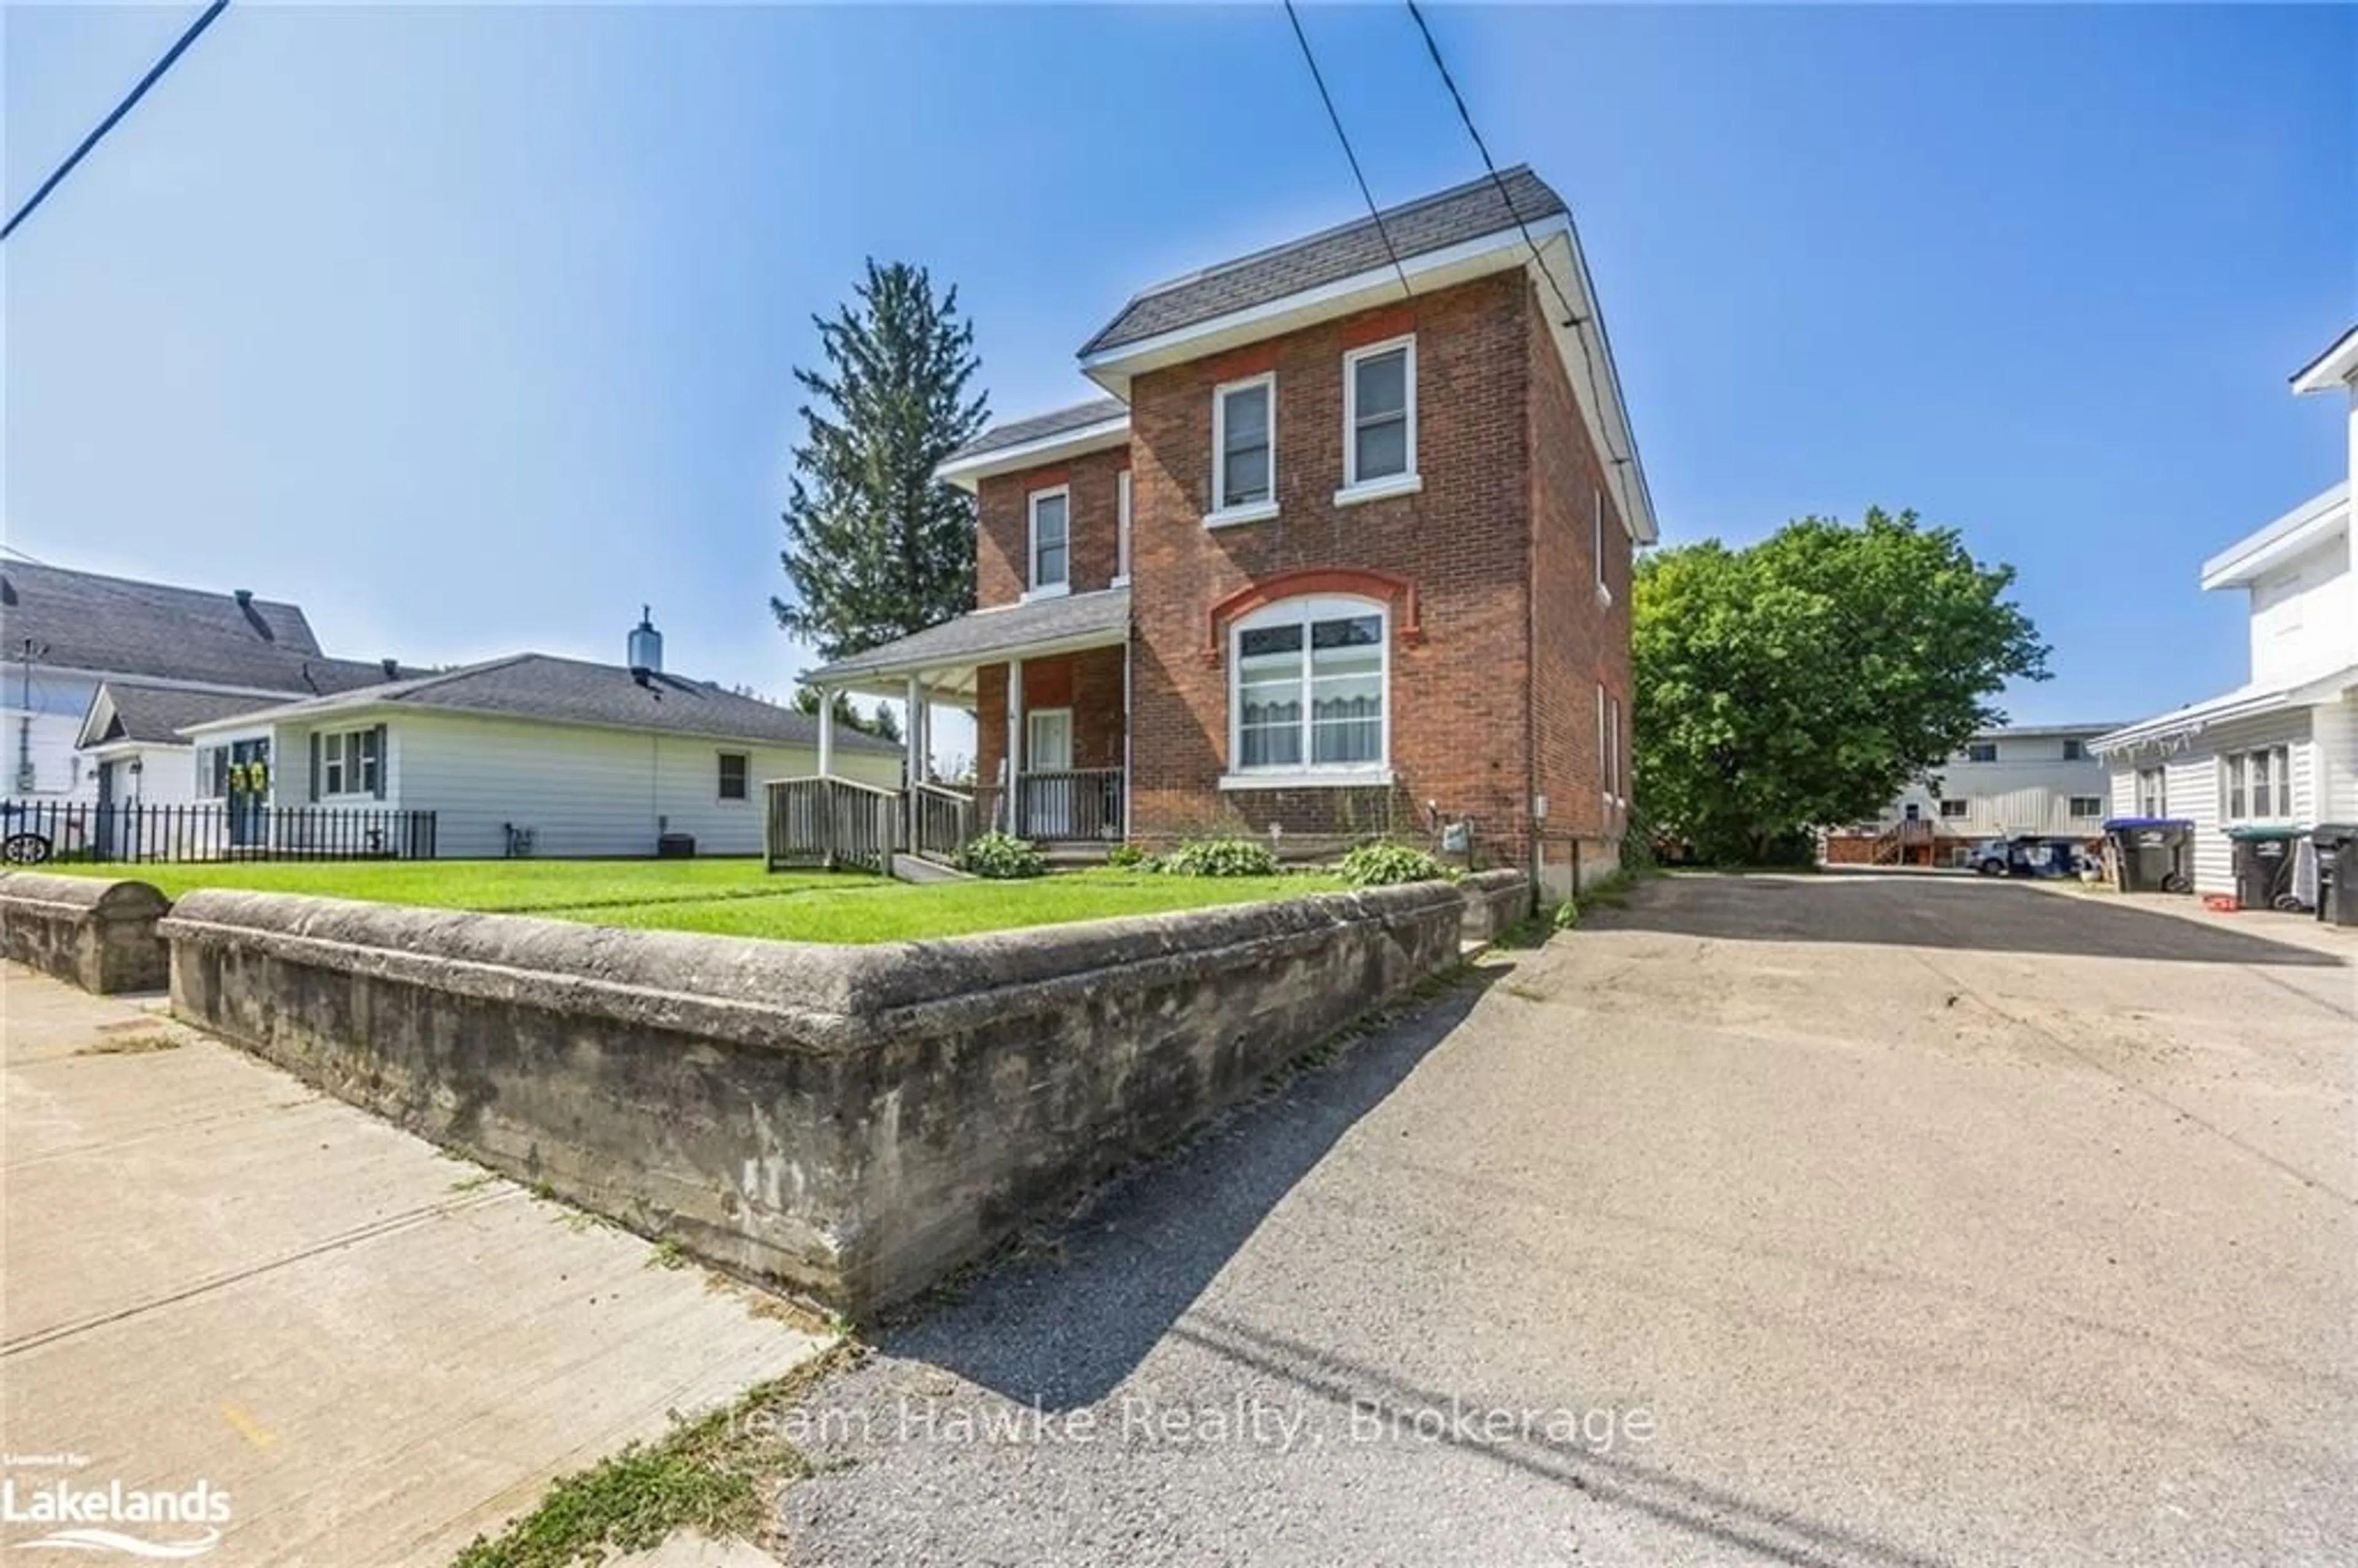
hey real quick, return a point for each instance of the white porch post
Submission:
(1014, 738)
(913, 730)
(1128, 770)
(826, 731)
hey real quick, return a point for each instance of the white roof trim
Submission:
(968, 473)
(2245, 702)
(1113, 368)
(2305, 526)
(2333, 369)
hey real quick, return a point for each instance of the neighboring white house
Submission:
(2282, 748)
(2031, 778)
(64, 634)
(531, 754)
(132, 736)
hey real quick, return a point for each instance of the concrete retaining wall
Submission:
(1495, 901)
(847, 1122)
(100, 935)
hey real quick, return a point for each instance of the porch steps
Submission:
(917, 868)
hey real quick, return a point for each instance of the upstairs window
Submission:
(1306, 687)
(1244, 446)
(1380, 414)
(2076, 751)
(1121, 529)
(1953, 808)
(733, 767)
(1051, 541)
(1596, 544)
(2087, 806)
(1982, 751)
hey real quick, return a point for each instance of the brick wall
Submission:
(1462, 730)
(1003, 524)
(1580, 637)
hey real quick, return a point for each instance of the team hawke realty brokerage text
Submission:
(1137, 1421)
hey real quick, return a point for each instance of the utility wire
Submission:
(1572, 318)
(1343, 136)
(154, 74)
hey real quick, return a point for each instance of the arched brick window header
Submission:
(1398, 591)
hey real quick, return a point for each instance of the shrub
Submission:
(1566, 915)
(1001, 856)
(1126, 857)
(1381, 865)
(1219, 858)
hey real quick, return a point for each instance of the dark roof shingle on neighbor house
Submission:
(1040, 426)
(110, 625)
(576, 691)
(978, 635)
(156, 714)
(1416, 228)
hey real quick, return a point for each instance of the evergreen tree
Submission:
(882, 724)
(875, 547)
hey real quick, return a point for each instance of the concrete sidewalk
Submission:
(212, 1273)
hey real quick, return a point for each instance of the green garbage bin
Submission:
(2263, 857)
(2155, 853)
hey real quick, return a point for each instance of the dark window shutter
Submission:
(315, 765)
(383, 761)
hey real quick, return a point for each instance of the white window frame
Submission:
(1121, 529)
(345, 752)
(2235, 779)
(2160, 798)
(1597, 545)
(1223, 516)
(1304, 612)
(2072, 807)
(1965, 809)
(1973, 746)
(1410, 480)
(720, 778)
(1034, 588)
(1608, 745)
(2074, 749)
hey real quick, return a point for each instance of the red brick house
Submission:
(1346, 549)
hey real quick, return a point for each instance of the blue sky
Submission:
(471, 328)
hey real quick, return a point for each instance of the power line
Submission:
(1572, 316)
(154, 73)
(1344, 137)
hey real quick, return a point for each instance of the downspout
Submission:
(1536, 855)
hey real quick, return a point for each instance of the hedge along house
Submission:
(529, 754)
(1346, 549)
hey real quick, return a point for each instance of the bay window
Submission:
(1307, 690)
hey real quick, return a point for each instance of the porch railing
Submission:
(941, 821)
(1062, 805)
(827, 822)
(34, 831)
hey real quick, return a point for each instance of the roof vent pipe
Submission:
(646, 646)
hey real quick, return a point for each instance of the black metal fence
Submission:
(35, 831)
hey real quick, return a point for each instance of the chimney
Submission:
(646, 646)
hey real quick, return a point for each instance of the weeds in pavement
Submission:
(131, 1045)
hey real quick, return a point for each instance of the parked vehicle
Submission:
(2027, 854)
(21, 845)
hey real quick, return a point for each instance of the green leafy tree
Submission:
(1800, 682)
(875, 547)
(880, 723)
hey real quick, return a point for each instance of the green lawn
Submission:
(734, 898)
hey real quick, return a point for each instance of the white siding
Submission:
(2303, 615)
(55, 704)
(167, 776)
(2028, 789)
(2195, 787)
(585, 791)
(2334, 734)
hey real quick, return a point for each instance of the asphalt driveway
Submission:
(1874, 1220)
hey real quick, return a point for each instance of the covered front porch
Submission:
(1047, 685)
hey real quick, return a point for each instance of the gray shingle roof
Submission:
(113, 625)
(1430, 223)
(984, 635)
(156, 714)
(1039, 426)
(574, 691)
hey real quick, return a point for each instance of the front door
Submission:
(1048, 780)
(105, 823)
(249, 791)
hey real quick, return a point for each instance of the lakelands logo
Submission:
(91, 1518)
